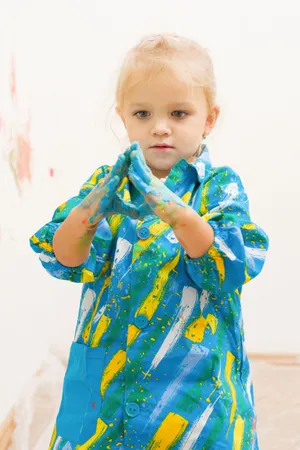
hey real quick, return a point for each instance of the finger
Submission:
(125, 207)
(138, 182)
(139, 167)
(150, 196)
(127, 152)
(108, 192)
(118, 167)
(144, 210)
(136, 147)
(142, 158)
(132, 210)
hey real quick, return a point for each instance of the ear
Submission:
(211, 119)
(119, 113)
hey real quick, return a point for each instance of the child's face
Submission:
(166, 111)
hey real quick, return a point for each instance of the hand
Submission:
(164, 203)
(105, 200)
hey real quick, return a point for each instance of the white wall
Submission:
(67, 56)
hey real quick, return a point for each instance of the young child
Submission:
(163, 243)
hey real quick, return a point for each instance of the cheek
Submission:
(191, 135)
(135, 131)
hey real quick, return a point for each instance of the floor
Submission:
(277, 393)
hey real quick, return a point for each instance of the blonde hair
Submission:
(182, 57)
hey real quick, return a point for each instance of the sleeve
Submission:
(238, 252)
(41, 241)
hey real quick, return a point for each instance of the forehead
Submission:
(163, 88)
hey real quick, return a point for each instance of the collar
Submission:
(183, 175)
(184, 169)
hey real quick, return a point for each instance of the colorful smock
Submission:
(158, 358)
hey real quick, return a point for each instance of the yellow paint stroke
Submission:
(123, 184)
(249, 226)
(209, 216)
(156, 229)
(219, 260)
(153, 299)
(113, 368)
(124, 187)
(100, 430)
(43, 245)
(133, 333)
(247, 276)
(61, 207)
(102, 327)
(186, 197)
(205, 200)
(195, 331)
(238, 433)
(104, 269)
(228, 370)
(53, 439)
(218, 385)
(148, 307)
(87, 329)
(169, 432)
(115, 223)
(87, 276)
(94, 179)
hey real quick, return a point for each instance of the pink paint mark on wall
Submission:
(13, 88)
(19, 144)
(51, 172)
(24, 152)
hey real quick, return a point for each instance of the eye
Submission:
(141, 114)
(179, 114)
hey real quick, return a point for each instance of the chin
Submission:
(161, 167)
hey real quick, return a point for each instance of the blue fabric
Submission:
(158, 359)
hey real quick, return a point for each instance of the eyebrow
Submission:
(177, 105)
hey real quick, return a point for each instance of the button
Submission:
(132, 409)
(143, 233)
(141, 321)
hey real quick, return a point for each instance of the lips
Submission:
(161, 146)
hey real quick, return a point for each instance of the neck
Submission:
(160, 173)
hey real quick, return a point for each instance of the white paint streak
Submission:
(67, 446)
(248, 388)
(188, 300)
(122, 250)
(200, 166)
(193, 435)
(47, 259)
(57, 442)
(204, 299)
(196, 354)
(258, 253)
(225, 249)
(87, 303)
(127, 271)
(99, 314)
(232, 191)
(172, 238)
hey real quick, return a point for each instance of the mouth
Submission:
(161, 147)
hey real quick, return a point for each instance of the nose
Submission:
(161, 128)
